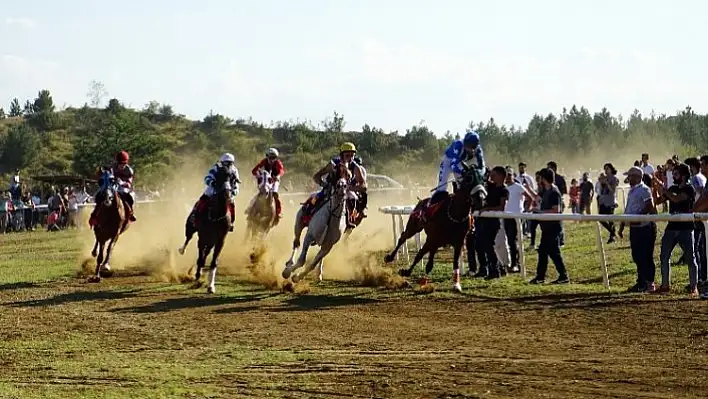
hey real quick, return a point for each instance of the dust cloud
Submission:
(149, 246)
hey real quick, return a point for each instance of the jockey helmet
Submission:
(122, 157)
(471, 139)
(347, 147)
(272, 153)
(227, 157)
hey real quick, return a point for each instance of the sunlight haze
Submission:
(389, 63)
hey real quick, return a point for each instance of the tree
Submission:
(96, 93)
(15, 109)
(42, 116)
(28, 108)
(20, 147)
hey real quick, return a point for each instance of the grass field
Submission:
(134, 336)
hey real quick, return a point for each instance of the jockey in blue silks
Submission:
(467, 150)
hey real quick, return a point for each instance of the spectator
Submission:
(526, 180)
(607, 198)
(15, 186)
(28, 207)
(5, 207)
(536, 206)
(574, 195)
(701, 206)
(647, 168)
(550, 232)
(587, 192)
(698, 182)
(562, 186)
(642, 235)
(517, 196)
(497, 196)
(681, 197)
(72, 210)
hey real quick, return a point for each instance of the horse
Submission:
(448, 226)
(212, 228)
(111, 222)
(325, 229)
(261, 215)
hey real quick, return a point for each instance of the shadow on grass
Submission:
(322, 301)
(175, 304)
(18, 286)
(75, 297)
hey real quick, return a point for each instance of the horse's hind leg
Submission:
(214, 264)
(296, 241)
(289, 267)
(412, 228)
(418, 257)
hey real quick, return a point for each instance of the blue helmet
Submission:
(471, 138)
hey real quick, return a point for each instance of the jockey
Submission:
(465, 150)
(327, 175)
(227, 160)
(272, 164)
(123, 175)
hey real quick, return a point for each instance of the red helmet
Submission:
(122, 157)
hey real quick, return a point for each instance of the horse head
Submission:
(107, 188)
(222, 191)
(471, 184)
(264, 184)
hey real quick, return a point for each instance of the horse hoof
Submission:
(457, 287)
(211, 290)
(94, 254)
(289, 264)
(389, 258)
(181, 250)
(404, 273)
(94, 279)
(287, 272)
(197, 284)
(296, 278)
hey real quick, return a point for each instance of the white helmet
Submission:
(272, 152)
(227, 157)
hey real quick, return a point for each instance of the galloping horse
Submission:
(448, 226)
(212, 225)
(325, 228)
(111, 222)
(261, 215)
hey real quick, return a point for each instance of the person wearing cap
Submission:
(642, 235)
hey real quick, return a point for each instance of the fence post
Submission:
(603, 263)
(405, 244)
(395, 236)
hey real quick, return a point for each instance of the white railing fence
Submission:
(398, 225)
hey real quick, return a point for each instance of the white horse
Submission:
(261, 210)
(325, 229)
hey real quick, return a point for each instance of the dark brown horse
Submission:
(212, 225)
(448, 225)
(111, 222)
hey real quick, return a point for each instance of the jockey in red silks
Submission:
(124, 175)
(272, 164)
(227, 160)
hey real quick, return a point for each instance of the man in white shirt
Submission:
(647, 168)
(517, 194)
(525, 179)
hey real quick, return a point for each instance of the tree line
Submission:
(39, 139)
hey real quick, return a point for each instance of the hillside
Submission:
(39, 139)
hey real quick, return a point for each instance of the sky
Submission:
(389, 63)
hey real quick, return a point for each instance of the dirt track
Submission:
(362, 343)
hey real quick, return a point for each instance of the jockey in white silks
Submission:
(227, 160)
(467, 150)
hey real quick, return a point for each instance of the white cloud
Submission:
(26, 23)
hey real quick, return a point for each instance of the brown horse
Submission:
(111, 222)
(212, 225)
(447, 226)
(261, 214)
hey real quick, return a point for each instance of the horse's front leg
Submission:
(99, 261)
(457, 252)
(296, 241)
(289, 267)
(94, 251)
(201, 262)
(324, 250)
(106, 267)
(214, 264)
